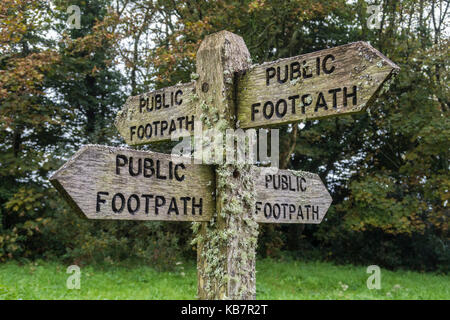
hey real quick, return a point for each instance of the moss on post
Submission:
(226, 245)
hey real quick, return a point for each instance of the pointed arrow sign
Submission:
(115, 183)
(289, 196)
(331, 82)
(156, 115)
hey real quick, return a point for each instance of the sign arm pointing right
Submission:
(330, 82)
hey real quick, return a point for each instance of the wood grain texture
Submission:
(290, 197)
(93, 169)
(353, 65)
(174, 106)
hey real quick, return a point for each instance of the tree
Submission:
(29, 123)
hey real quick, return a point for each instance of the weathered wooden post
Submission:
(226, 245)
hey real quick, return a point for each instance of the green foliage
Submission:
(271, 241)
(387, 169)
(276, 279)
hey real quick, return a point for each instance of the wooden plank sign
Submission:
(115, 183)
(290, 197)
(154, 116)
(340, 80)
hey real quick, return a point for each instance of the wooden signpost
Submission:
(225, 204)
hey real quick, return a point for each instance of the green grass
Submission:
(275, 280)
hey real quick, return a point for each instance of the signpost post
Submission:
(225, 202)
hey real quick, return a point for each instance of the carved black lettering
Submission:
(190, 123)
(148, 166)
(306, 101)
(121, 161)
(276, 211)
(321, 103)
(198, 205)
(275, 185)
(122, 203)
(307, 211)
(178, 95)
(159, 202)
(291, 187)
(147, 198)
(350, 95)
(300, 213)
(173, 207)
(318, 66)
(268, 105)
(291, 210)
(284, 205)
(164, 101)
(148, 130)
(293, 98)
(315, 210)
(302, 184)
(159, 175)
(284, 182)
(258, 206)
(155, 123)
(324, 64)
(164, 126)
(173, 126)
(334, 92)
(286, 70)
(158, 102)
(280, 114)
(142, 103)
(141, 132)
(185, 200)
(267, 210)
(130, 206)
(270, 73)
(132, 132)
(170, 170)
(305, 70)
(254, 110)
(295, 70)
(131, 167)
(177, 176)
(268, 180)
(100, 200)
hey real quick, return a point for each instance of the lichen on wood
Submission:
(226, 244)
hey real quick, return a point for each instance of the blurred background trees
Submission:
(387, 169)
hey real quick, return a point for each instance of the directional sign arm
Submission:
(288, 196)
(156, 115)
(102, 182)
(60, 178)
(331, 82)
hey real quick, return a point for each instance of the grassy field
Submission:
(275, 280)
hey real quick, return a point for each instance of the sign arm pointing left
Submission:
(58, 179)
(103, 182)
